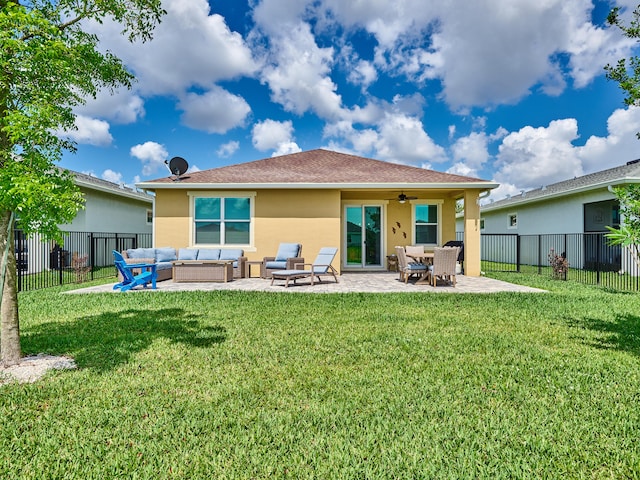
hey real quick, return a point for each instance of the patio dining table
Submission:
(427, 259)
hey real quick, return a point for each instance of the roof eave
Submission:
(142, 197)
(523, 201)
(323, 186)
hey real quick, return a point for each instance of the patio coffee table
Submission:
(202, 270)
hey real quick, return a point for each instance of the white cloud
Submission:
(619, 146)
(402, 138)
(151, 154)
(216, 111)
(268, 134)
(89, 131)
(532, 157)
(228, 149)
(298, 74)
(286, 148)
(190, 47)
(123, 106)
(111, 176)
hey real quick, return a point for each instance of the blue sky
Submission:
(511, 91)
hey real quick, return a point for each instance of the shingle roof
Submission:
(89, 181)
(613, 176)
(318, 167)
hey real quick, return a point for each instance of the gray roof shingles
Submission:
(611, 176)
(318, 167)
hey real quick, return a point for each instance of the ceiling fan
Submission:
(403, 198)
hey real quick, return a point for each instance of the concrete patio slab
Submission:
(378, 282)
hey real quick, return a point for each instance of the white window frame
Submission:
(438, 204)
(511, 224)
(149, 216)
(221, 194)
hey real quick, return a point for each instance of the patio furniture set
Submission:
(444, 263)
(143, 266)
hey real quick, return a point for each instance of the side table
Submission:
(250, 263)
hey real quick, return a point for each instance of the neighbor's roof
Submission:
(629, 173)
(121, 190)
(318, 169)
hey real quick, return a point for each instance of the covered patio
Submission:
(371, 282)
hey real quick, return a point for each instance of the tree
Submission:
(628, 234)
(48, 65)
(626, 72)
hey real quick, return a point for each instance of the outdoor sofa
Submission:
(163, 257)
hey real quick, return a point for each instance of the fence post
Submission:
(539, 254)
(518, 246)
(598, 247)
(92, 259)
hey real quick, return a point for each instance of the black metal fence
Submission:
(591, 260)
(81, 257)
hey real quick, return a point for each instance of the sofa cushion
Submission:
(231, 253)
(163, 266)
(209, 254)
(187, 254)
(276, 264)
(287, 250)
(141, 253)
(165, 254)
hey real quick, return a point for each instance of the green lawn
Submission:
(280, 385)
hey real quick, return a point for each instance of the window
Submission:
(149, 217)
(426, 226)
(482, 224)
(222, 220)
(512, 220)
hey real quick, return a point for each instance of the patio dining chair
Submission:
(320, 266)
(129, 280)
(444, 265)
(408, 268)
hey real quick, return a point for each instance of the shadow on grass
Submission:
(622, 333)
(104, 341)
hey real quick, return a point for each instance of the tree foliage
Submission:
(50, 64)
(627, 71)
(628, 234)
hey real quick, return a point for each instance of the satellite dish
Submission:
(177, 165)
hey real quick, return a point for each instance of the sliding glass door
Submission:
(363, 230)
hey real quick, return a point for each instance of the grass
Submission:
(263, 385)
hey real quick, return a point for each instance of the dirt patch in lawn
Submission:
(31, 369)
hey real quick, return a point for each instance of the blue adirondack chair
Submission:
(129, 280)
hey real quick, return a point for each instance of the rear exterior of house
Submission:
(318, 198)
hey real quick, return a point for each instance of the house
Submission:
(109, 210)
(318, 198)
(581, 205)
(110, 207)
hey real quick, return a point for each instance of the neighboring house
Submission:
(317, 198)
(109, 209)
(582, 205)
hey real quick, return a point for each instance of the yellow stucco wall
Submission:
(310, 217)
(314, 218)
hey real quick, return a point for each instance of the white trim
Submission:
(382, 204)
(119, 192)
(319, 186)
(219, 194)
(437, 202)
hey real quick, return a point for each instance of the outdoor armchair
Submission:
(129, 280)
(286, 258)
